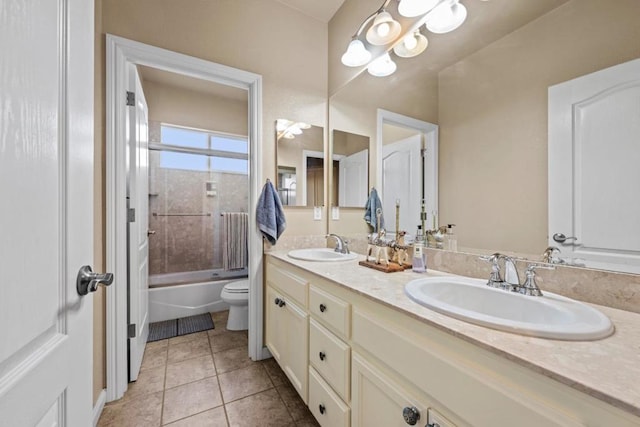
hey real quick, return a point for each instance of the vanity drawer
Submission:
(330, 310)
(287, 282)
(325, 405)
(331, 358)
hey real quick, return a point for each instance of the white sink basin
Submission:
(549, 316)
(321, 254)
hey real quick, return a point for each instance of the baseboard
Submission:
(99, 406)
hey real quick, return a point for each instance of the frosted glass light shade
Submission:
(382, 66)
(446, 17)
(412, 45)
(356, 54)
(411, 8)
(384, 29)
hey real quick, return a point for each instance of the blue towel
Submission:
(373, 204)
(269, 214)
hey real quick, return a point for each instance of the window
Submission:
(219, 153)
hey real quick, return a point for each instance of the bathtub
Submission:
(176, 295)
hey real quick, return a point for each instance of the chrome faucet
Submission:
(550, 255)
(341, 244)
(511, 279)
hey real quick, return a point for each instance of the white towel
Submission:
(269, 214)
(235, 227)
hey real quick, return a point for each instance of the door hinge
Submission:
(131, 332)
(131, 99)
(131, 215)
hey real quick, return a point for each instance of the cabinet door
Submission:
(295, 333)
(274, 331)
(377, 401)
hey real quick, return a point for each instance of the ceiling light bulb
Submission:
(356, 54)
(382, 66)
(303, 125)
(384, 29)
(410, 41)
(412, 45)
(282, 124)
(446, 17)
(411, 8)
(288, 135)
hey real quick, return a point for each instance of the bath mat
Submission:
(176, 327)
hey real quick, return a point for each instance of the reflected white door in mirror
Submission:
(593, 168)
(408, 170)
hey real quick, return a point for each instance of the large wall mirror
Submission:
(486, 87)
(350, 169)
(299, 163)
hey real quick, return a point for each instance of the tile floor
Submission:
(206, 380)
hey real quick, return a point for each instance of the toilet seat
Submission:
(237, 287)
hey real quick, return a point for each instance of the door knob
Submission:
(411, 415)
(88, 281)
(561, 238)
(151, 232)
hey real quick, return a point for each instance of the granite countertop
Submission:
(607, 369)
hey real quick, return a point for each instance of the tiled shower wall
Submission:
(190, 243)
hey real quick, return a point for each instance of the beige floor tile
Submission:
(190, 399)
(149, 381)
(228, 340)
(294, 403)
(187, 338)
(189, 370)
(230, 360)
(156, 344)
(259, 410)
(143, 411)
(276, 374)
(189, 350)
(307, 422)
(154, 357)
(244, 382)
(219, 322)
(212, 418)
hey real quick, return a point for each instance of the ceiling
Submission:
(322, 10)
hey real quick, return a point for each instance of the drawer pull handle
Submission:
(282, 303)
(323, 308)
(322, 355)
(277, 301)
(322, 408)
(411, 415)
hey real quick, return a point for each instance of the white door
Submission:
(402, 181)
(354, 178)
(594, 153)
(46, 220)
(138, 239)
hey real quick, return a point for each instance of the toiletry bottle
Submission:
(451, 240)
(419, 262)
(419, 235)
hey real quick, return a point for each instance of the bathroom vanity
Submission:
(361, 353)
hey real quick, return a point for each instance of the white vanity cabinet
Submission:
(365, 363)
(287, 330)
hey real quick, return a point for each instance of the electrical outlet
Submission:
(317, 213)
(335, 213)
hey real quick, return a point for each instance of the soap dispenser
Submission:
(451, 240)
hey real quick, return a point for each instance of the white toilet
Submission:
(236, 294)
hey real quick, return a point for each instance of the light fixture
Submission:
(382, 66)
(356, 54)
(379, 33)
(412, 45)
(446, 17)
(289, 129)
(384, 29)
(411, 8)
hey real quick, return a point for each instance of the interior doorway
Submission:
(121, 55)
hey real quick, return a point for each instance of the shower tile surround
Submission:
(608, 288)
(189, 243)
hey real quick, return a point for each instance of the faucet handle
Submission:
(530, 286)
(533, 266)
(495, 279)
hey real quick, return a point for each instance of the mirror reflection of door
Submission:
(351, 169)
(299, 163)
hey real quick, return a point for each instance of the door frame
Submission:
(120, 53)
(430, 137)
